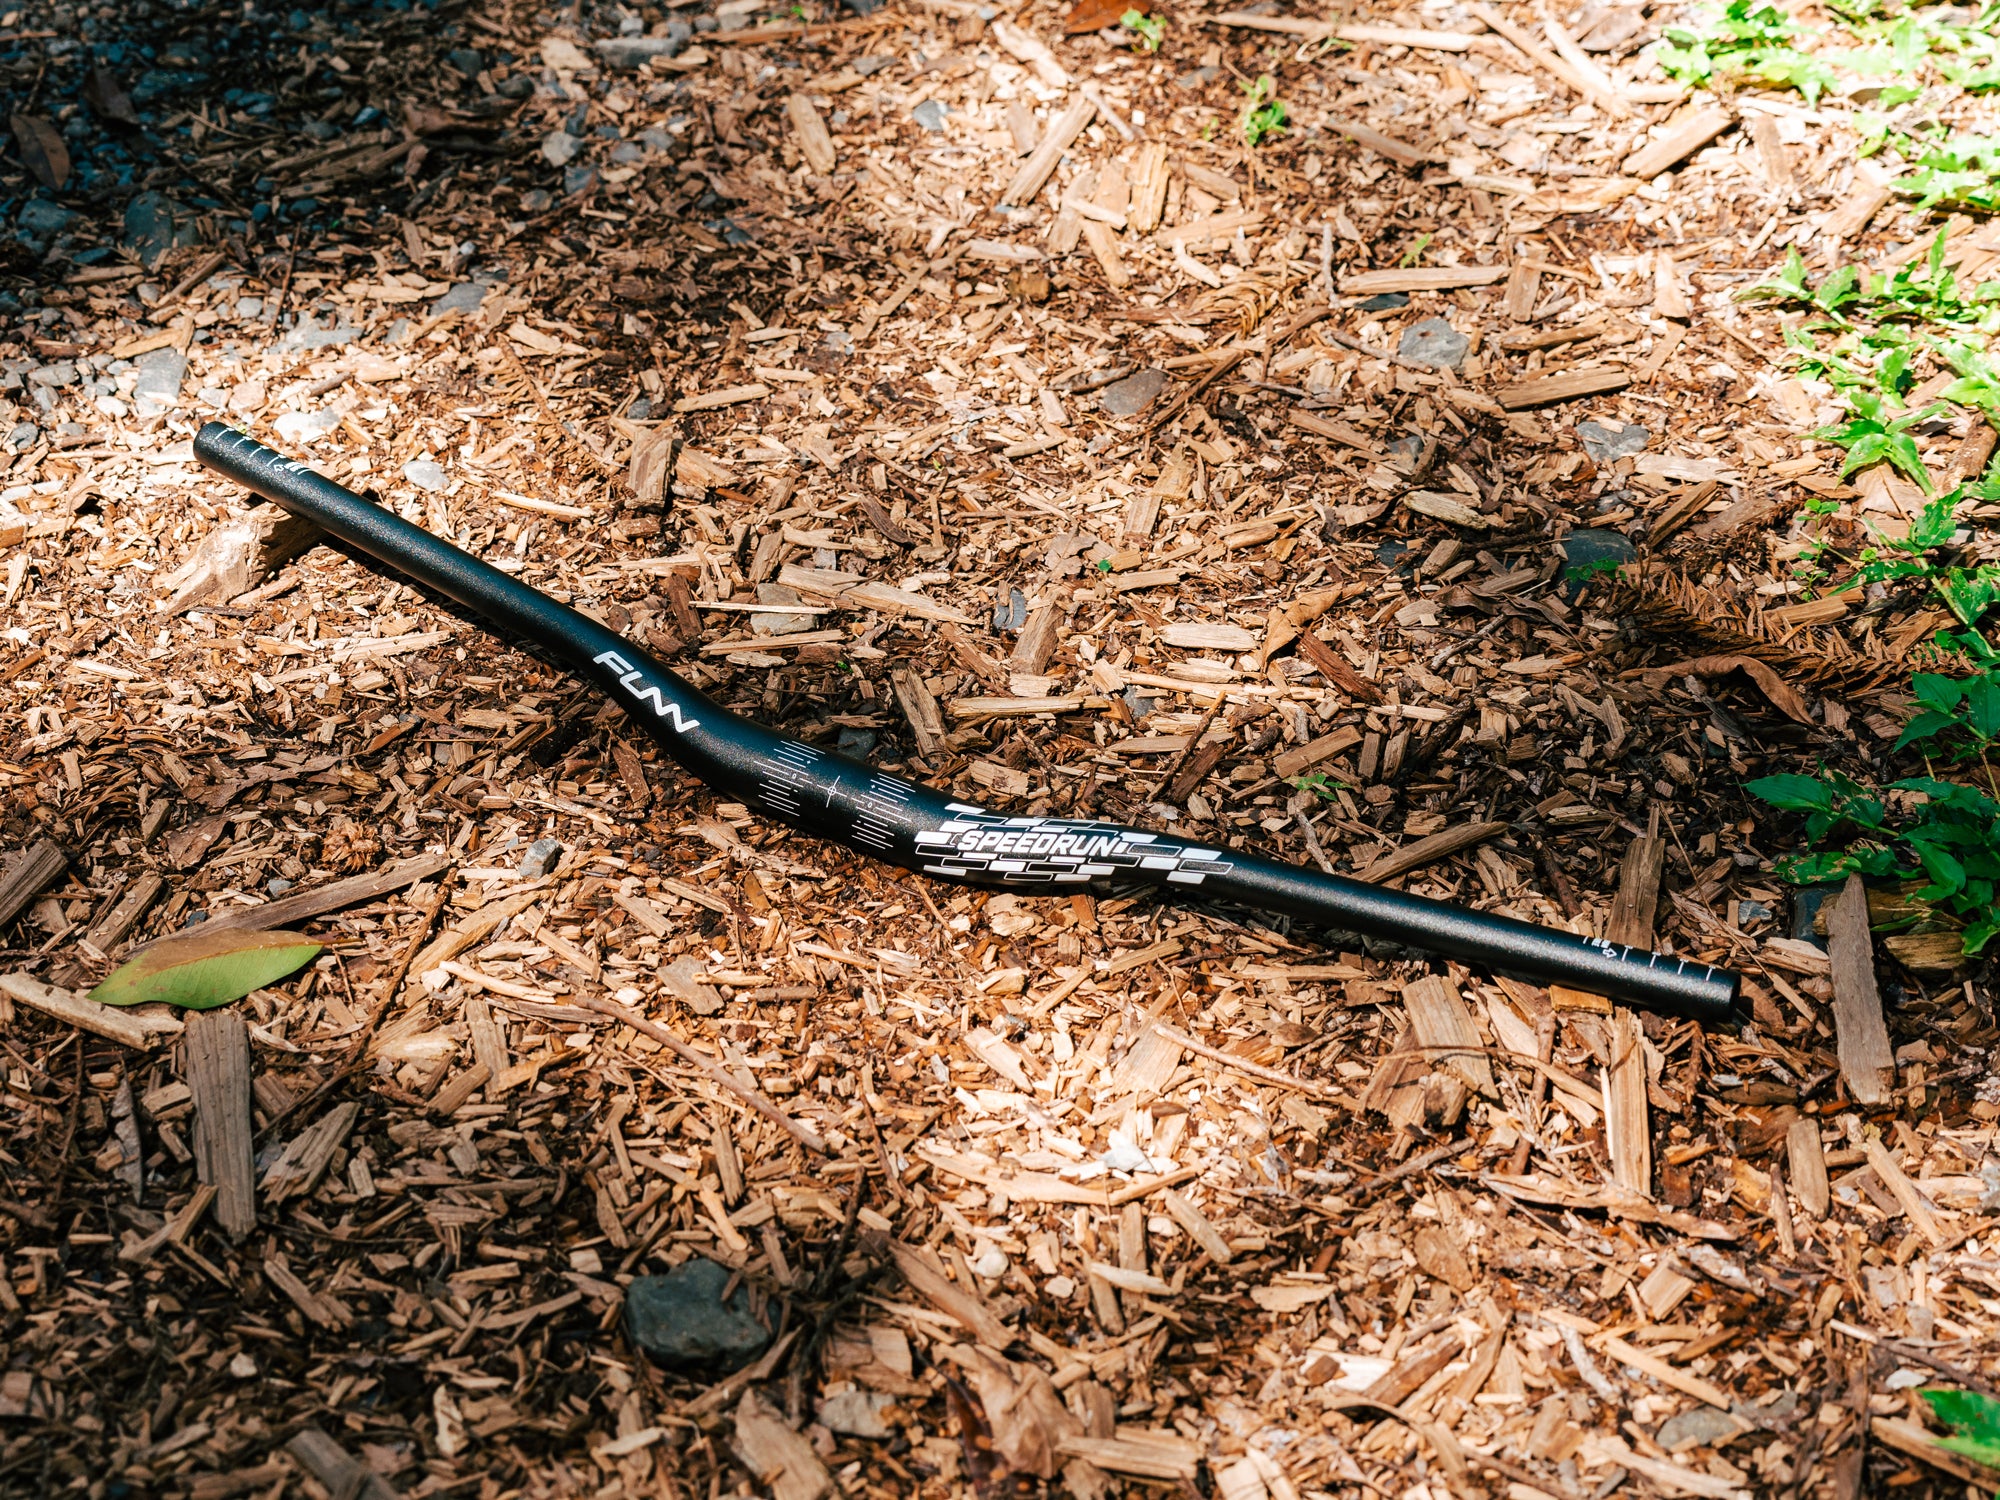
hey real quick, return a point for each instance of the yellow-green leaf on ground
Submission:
(203, 970)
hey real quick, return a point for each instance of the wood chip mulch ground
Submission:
(958, 389)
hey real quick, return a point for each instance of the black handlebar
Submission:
(888, 818)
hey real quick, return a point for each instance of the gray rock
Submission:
(425, 474)
(1607, 442)
(931, 114)
(626, 152)
(24, 436)
(778, 593)
(635, 51)
(466, 60)
(155, 224)
(159, 387)
(681, 1321)
(464, 297)
(1586, 552)
(1699, 1427)
(1012, 615)
(856, 742)
(536, 201)
(580, 178)
(540, 859)
(62, 372)
(249, 307)
(1133, 394)
(309, 333)
(40, 221)
(1436, 343)
(654, 138)
(559, 148)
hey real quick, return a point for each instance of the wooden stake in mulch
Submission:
(27, 874)
(1627, 1125)
(1866, 1061)
(218, 1075)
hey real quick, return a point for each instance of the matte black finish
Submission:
(910, 825)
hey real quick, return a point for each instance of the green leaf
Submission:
(1923, 726)
(1946, 873)
(1795, 793)
(1973, 1418)
(1982, 706)
(203, 970)
(1978, 933)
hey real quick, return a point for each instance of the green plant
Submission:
(1872, 436)
(1975, 1420)
(1319, 784)
(1597, 567)
(1949, 839)
(1746, 41)
(1416, 251)
(1789, 285)
(1151, 30)
(1263, 111)
(1956, 174)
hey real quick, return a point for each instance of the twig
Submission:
(1468, 641)
(1362, 346)
(1249, 1069)
(1194, 740)
(1312, 841)
(568, 438)
(278, 302)
(357, 1054)
(805, 1135)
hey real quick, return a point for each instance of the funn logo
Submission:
(630, 680)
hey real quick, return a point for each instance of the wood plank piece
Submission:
(965, 1305)
(1678, 140)
(815, 142)
(1443, 1028)
(1627, 1126)
(1048, 151)
(326, 898)
(299, 1166)
(1808, 1166)
(218, 1075)
(28, 874)
(1905, 1192)
(1866, 1060)
(1400, 152)
(1544, 390)
(1666, 1374)
(1422, 279)
(1596, 90)
(336, 1469)
(76, 1010)
(1636, 904)
(127, 912)
(1429, 851)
